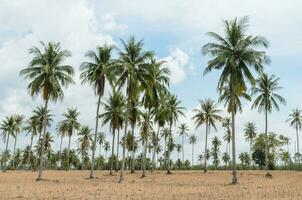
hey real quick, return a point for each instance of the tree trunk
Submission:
(143, 159)
(117, 150)
(297, 134)
(234, 179)
(112, 152)
(266, 148)
(29, 154)
(121, 178)
(206, 148)
(68, 150)
(168, 151)
(132, 156)
(95, 137)
(192, 154)
(41, 156)
(154, 150)
(183, 149)
(14, 164)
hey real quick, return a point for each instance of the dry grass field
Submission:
(179, 185)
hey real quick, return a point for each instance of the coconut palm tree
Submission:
(178, 149)
(8, 127)
(84, 141)
(192, 140)
(31, 127)
(235, 54)
(130, 75)
(145, 125)
(106, 147)
(267, 99)
(62, 132)
(207, 114)
(226, 124)
(101, 140)
(183, 132)
(250, 133)
(171, 112)
(18, 128)
(48, 76)
(71, 124)
(295, 121)
(96, 72)
(114, 115)
(160, 120)
(216, 143)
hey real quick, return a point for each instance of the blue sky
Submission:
(174, 29)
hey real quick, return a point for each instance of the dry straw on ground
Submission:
(179, 185)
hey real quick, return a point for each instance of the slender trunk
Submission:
(61, 143)
(154, 150)
(234, 179)
(68, 158)
(121, 178)
(132, 157)
(297, 134)
(192, 154)
(117, 150)
(100, 150)
(266, 147)
(112, 152)
(183, 149)
(41, 156)
(29, 154)
(61, 148)
(14, 164)
(7, 140)
(226, 152)
(206, 148)
(168, 151)
(145, 145)
(95, 137)
(143, 159)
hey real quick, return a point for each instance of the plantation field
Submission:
(179, 185)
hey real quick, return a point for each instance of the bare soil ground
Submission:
(179, 185)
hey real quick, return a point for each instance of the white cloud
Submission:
(176, 62)
(109, 23)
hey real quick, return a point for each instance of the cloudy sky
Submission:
(174, 29)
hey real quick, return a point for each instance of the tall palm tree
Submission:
(48, 76)
(192, 140)
(71, 124)
(31, 127)
(130, 74)
(207, 114)
(226, 124)
(62, 131)
(183, 131)
(18, 128)
(235, 54)
(215, 151)
(171, 113)
(106, 147)
(250, 133)
(114, 114)
(96, 72)
(8, 127)
(84, 141)
(178, 149)
(295, 120)
(160, 120)
(267, 99)
(145, 126)
(154, 85)
(101, 140)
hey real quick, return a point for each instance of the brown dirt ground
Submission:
(179, 185)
